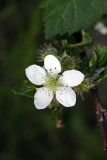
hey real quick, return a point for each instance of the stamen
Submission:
(52, 83)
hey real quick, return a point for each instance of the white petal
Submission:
(52, 64)
(66, 96)
(36, 74)
(71, 78)
(43, 98)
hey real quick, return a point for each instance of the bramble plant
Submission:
(71, 53)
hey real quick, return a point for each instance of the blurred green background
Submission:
(25, 132)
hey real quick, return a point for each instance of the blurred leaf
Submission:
(25, 88)
(70, 16)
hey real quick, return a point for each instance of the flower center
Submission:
(52, 83)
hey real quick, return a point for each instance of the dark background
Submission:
(25, 132)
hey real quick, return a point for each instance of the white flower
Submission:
(53, 84)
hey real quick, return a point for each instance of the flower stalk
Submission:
(59, 119)
(59, 122)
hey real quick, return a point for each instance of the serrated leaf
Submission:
(69, 16)
(25, 88)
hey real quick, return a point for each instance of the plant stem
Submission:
(59, 119)
(81, 44)
(101, 114)
(59, 123)
(100, 117)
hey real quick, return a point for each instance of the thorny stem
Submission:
(101, 113)
(100, 118)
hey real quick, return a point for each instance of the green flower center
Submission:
(52, 83)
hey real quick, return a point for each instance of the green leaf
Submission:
(93, 60)
(25, 88)
(100, 64)
(69, 16)
(96, 66)
(101, 53)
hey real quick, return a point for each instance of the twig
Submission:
(100, 117)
